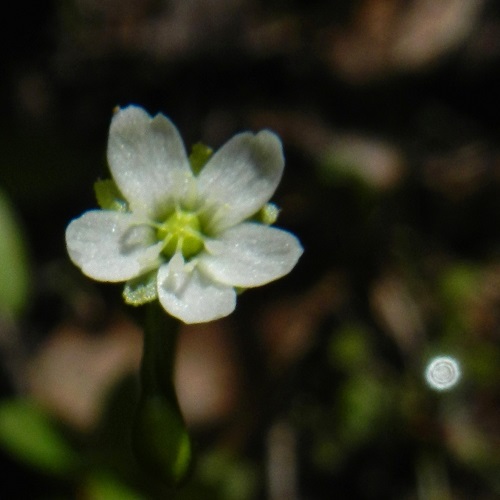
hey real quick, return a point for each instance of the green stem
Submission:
(158, 358)
(161, 440)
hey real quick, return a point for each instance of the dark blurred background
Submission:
(313, 388)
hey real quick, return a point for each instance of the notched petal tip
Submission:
(242, 175)
(127, 115)
(264, 148)
(133, 115)
(147, 160)
(271, 142)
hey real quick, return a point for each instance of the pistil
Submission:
(181, 232)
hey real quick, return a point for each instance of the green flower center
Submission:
(181, 232)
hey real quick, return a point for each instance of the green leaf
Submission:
(200, 154)
(364, 404)
(32, 436)
(103, 486)
(14, 274)
(109, 196)
(349, 347)
(141, 290)
(232, 476)
(161, 440)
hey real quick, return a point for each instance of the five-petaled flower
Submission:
(195, 233)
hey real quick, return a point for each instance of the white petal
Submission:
(250, 254)
(190, 296)
(148, 161)
(110, 246)
(240, 178)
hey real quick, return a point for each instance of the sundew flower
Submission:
(188, 237)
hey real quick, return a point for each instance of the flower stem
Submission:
(161, 440)
(158, 359)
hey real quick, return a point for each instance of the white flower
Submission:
(193, 233)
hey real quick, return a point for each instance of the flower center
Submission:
(181, 232)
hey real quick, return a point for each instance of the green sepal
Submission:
(109, 196)
(200, 154)
(141, 290)
(268, 214)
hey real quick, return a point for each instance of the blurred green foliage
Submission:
(15, 269)
(32, 436)
(391, 184)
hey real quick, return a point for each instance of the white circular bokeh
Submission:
(442, 373)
